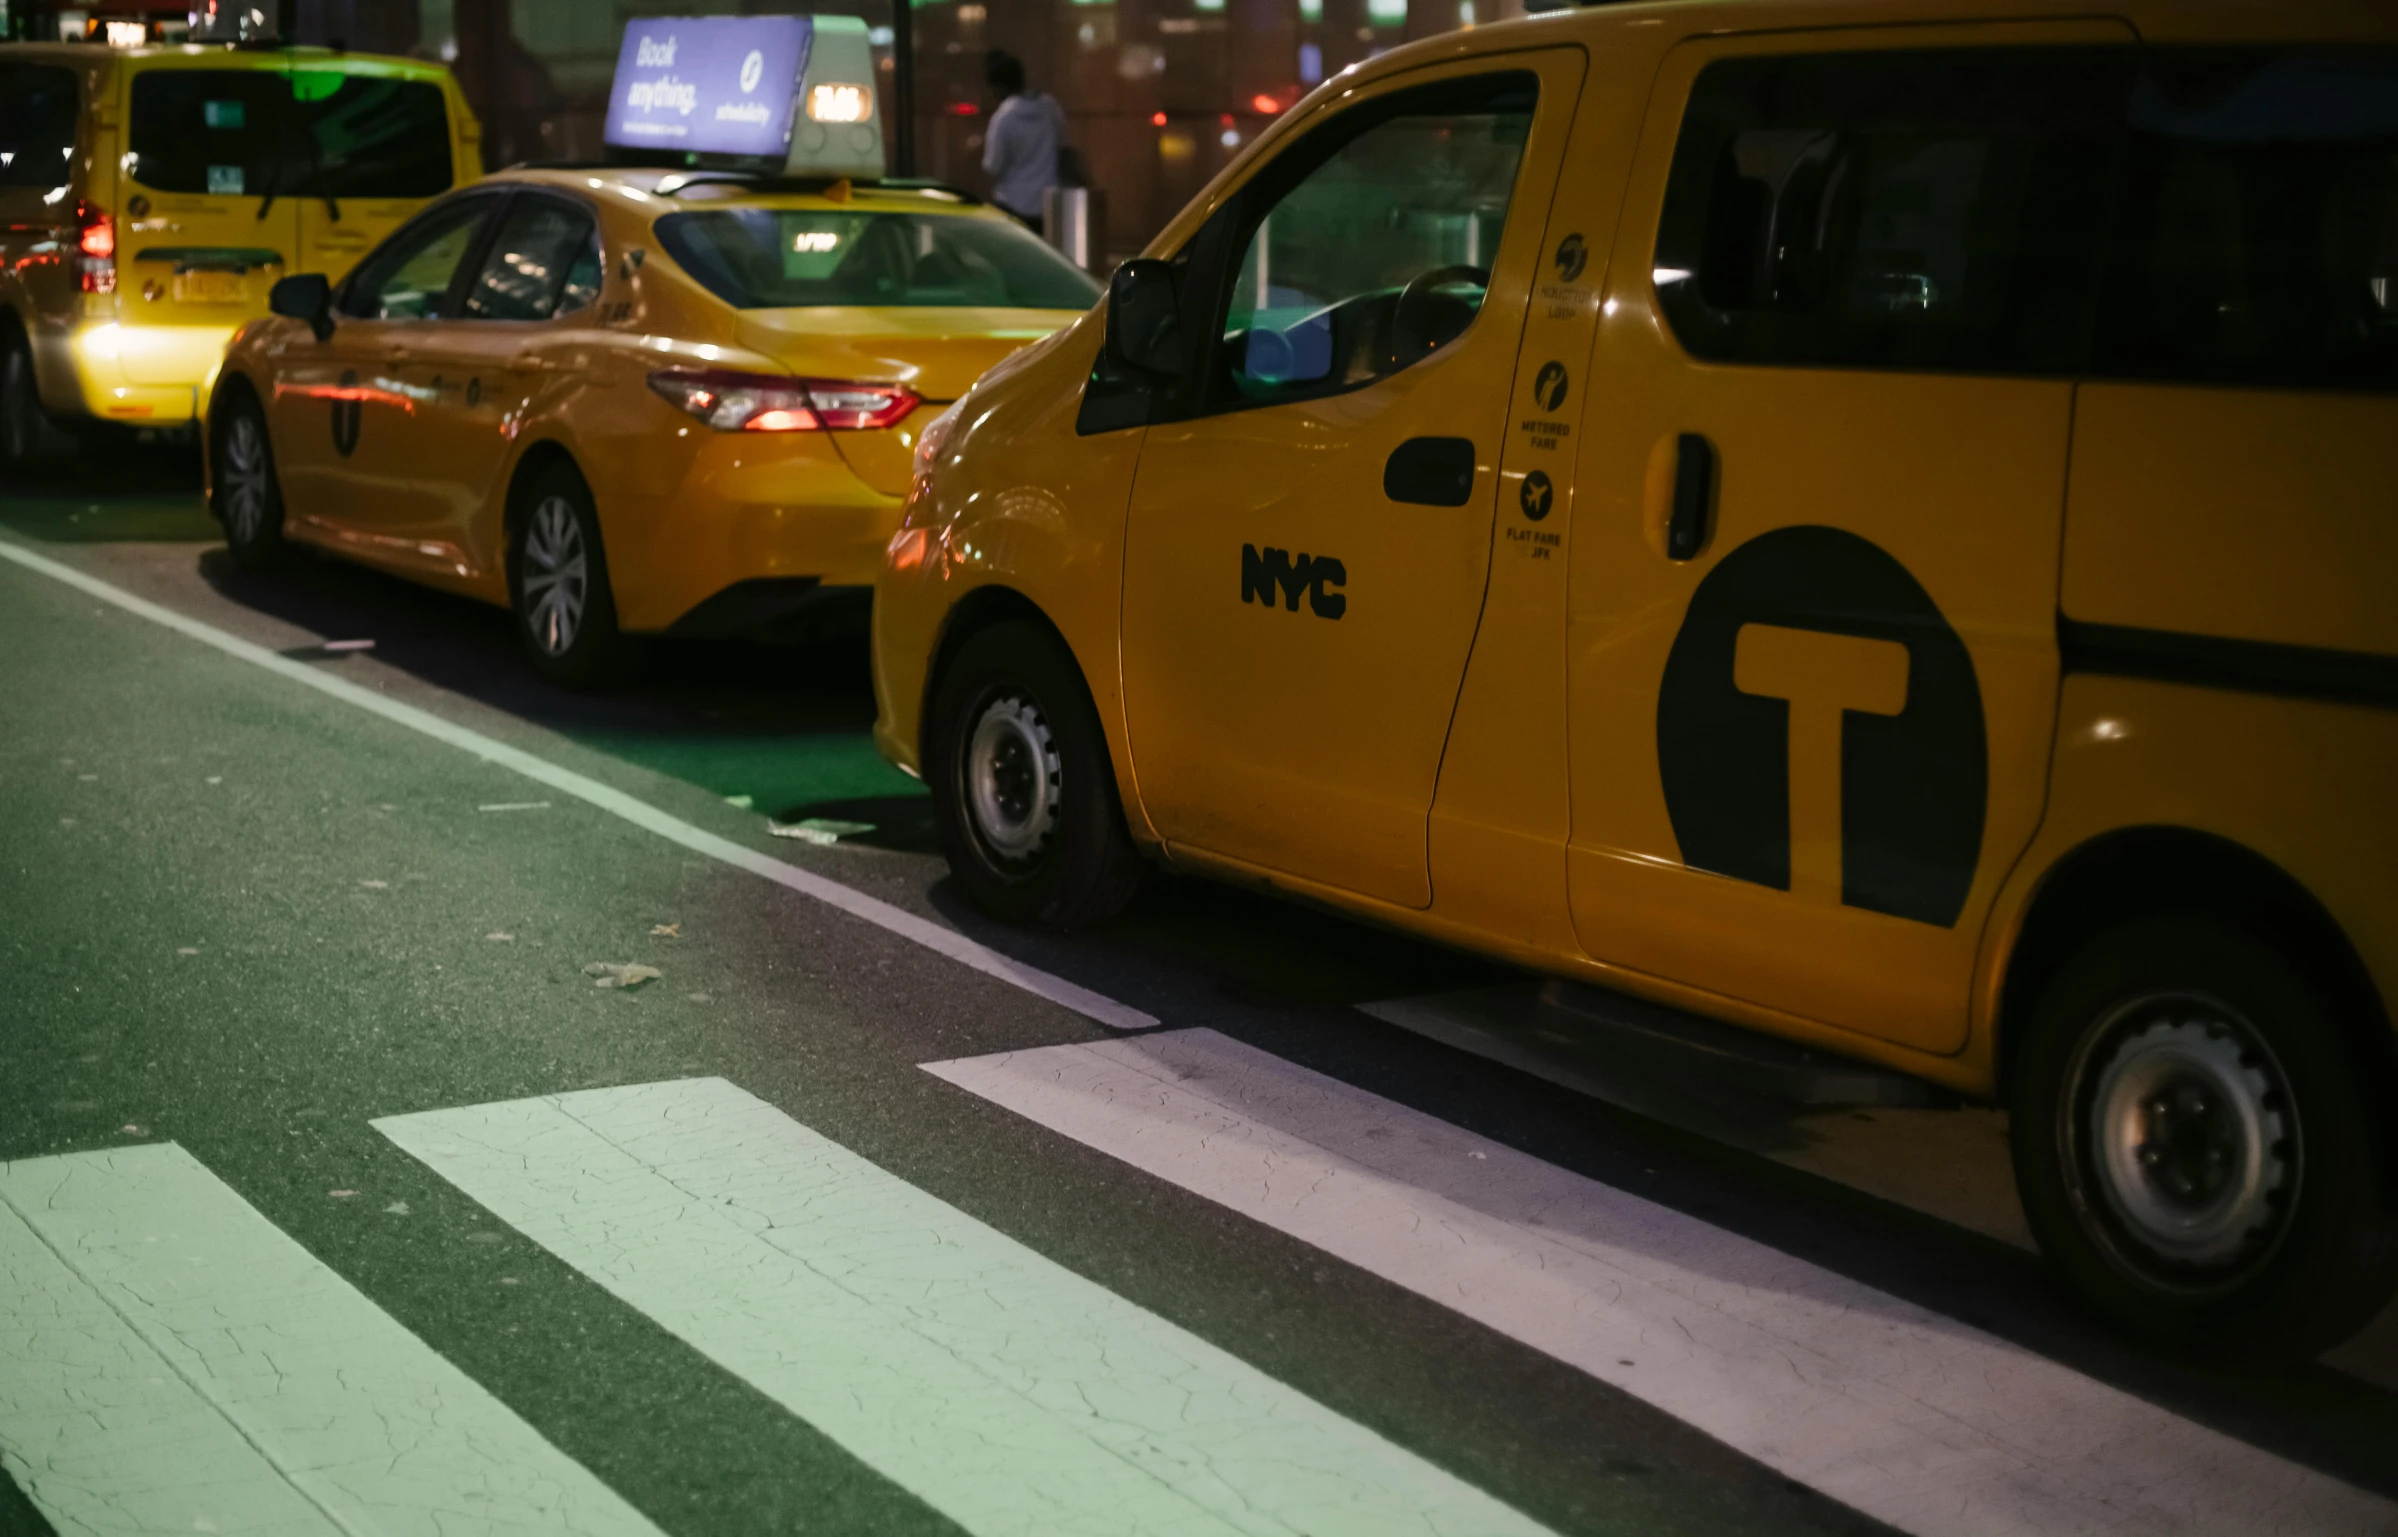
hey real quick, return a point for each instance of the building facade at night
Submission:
(1159, 93)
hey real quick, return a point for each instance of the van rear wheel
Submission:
(1024, 793)
(2195, 1145)
(27, 433)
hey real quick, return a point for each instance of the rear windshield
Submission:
(312, 133)
(766, 258)
(37, 125)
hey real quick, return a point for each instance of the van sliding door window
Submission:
(37, 126)
(1919, 210)
(1368, 245)
(372, 137)
(2257, 229)
(213, 131)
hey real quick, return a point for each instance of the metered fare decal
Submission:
(1820, 730)
(1270, 574)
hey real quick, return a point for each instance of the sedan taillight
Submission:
(730, 401)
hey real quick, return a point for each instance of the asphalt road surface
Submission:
(343, 1187)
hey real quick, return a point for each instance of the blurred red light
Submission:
(963, 109)
(1265, 103)
(1157, 120)
(1227, 120)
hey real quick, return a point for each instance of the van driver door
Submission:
(1309, 532)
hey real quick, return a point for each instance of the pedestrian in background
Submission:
(1025, 149)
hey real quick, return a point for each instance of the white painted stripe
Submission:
(1928, 1425)
(932, 936)
(170, 1361)
(1002, 1389)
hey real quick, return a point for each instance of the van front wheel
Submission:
(2194, 1142)
(1024, 794)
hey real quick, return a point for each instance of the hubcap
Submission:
(1013, 778)
(244, 476)
(2193, 1140)
(556, 579)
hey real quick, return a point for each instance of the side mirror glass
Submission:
(307, 296)
(1144, 317)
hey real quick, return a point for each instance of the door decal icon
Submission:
(1820, 729)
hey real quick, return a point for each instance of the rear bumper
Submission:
(749, 531)
(90, 369)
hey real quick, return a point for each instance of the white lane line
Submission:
(170, 1361)
(932, 936)
(1002, 1389)
(1922, 1422)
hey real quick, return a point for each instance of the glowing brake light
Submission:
(730, 401)
(96, 240)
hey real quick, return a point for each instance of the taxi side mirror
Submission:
(1144, 317)
(306, 296)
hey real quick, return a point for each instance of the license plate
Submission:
(209, 287)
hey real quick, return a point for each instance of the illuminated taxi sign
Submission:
(840, 103)
(709, 85)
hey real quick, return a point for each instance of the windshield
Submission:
(784, 258)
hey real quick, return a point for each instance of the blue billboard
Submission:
(710, 85)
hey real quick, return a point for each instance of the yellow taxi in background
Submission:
(1868, 521)
(626, 401)
(150, 197)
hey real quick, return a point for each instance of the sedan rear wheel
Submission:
(559, 571)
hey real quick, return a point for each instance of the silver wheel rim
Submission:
(557, 576)
(1013, 779)
(2192, 1139)
(244, 476)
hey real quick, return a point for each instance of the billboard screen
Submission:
(711, 85)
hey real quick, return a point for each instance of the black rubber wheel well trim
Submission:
(2141, 873)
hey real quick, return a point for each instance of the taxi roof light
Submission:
(732, 401)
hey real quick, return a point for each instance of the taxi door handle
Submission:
(1694, 496)
(1431, 472)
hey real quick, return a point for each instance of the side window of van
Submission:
(215, 131)
(543, 262)
(37, 125)
(373, 137)
(1927, 210)
(2257, 231)
(1367, 246)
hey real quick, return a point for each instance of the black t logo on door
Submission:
(1548, 386)
(347, 413)
(1819, 729)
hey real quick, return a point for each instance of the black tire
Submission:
(558, 582)
(2196, 1142)
(1024, 794)
(27, 434)
(243, 490)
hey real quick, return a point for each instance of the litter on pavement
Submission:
(822, 831)
(621, 973)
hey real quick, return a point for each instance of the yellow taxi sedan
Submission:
(628, 401)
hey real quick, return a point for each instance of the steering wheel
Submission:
(1407, 340)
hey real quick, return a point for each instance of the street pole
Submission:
(903, 87)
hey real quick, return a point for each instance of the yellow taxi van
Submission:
(634, 399)
(1869, 522)
(150, 197)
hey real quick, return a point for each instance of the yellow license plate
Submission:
(209, 287)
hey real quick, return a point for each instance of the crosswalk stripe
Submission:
(1922, 1422)
(998, 1387)
(170, 1361)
